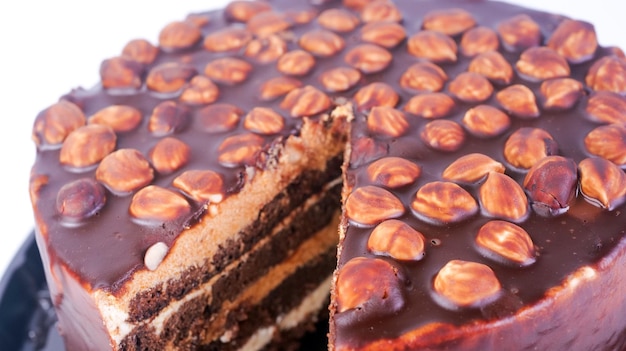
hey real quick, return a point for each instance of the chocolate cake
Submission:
(193, 199)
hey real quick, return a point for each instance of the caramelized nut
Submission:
(263, 120)
(432, 45)
(608, 74)
(385, 34)
(463, 284)
(393, 172)
(606, 107)
(451, 22)
(155, 255)
(375, 94)
(307, 101)
(479, 40)
(218, 118)
(423, 77)
(380, 11)
(167, 117)
(338, 20)
(443, 135)
(369, 205)
(228, 70)
(321, 43)
(368, 285)
(471, 87)
(608, 142)
(169, 77)
(200, 91)
(501, 197)
(506, 243)
(243, 10)
(120, 118)
(268, 23)
(540, 63)
(574, 40)
(301, 16)
(471, 168)
(121, 73)
(443, 203)
(398, 240)
(602, 183)
(140, 50)
(430, 105)
(201, 186)
(551, 185)
(387, 120)
(124, 171)
(340, 79)
(277, 87)
(368, 58)
(356, 5)
(55, 123)
(519, 32)
(80, 199)
(492, 65)
(266, 50)
(169, 155)
(526, 146)
(486, 121)
(561, 93)
(518, 100)
(179, 35)
(87, 145)
(296, 63)
(227, 39)
(238, 150)
(155, 204)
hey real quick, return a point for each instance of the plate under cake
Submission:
(191, 199)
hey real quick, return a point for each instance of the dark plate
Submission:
(27, 319)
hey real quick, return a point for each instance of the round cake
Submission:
(445, 175)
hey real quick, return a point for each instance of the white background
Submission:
(49, 47)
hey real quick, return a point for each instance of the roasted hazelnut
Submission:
(608, 74)
(442, 203)
(606, 107)
(506, 243)
(121, 73)
(369, 205)
(179, 35)
(463, 284)
(540, 63)
(479, 40)
(87, 145)
(486, 121)
(432, 45)
(140, 50)
(238, 150)
(338, 20)
(423, 77)
(519, 32)
(492, 65)
(228, 70)
(398, 240)
(443, 135)
(124, 171)
(169, 77)
(518, 100)
(526, 146)
(218, 118)
(296, 63)
(321, 43)
(451, 21)
(227, 39)
(278, 86)
(340, 79)
(368, 58)
(471, 87)
(501, 197)
(243, 10)
(168, 117)
(551, 185)
(154, 204)
(602, 183)
(266, 50)
(561, 93)
(387, 120)
(574, 40)
(55, 123)
(380, 11)
(357, 5)
(608, 142)
(169, 155)
(430, 105)
(263, 120)
(306, 101)
(471, 168)
(120, 118)
(385, 34)
(267, 23)
(375, 94)
(393, 172)
(201, 185)
(200, 91)
(80, 199)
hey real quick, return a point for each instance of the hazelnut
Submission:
(540, 63)
(301, 16)
(518, 100)
(442, 203)
(80, 199)
(385, 34)
(526, 146)
(266, 50)
(120, 118)
(201, 185)
(238, 150)
(608, 142)
(430, 105)
(357, 5)
(168, 117)
(608, 74)
(267, 23)
(276, 87)
(121, 73)
(501, 197)
(87, 145)
(602, 183)
(169, 155)
(506, 243)
(368, 58)
(561, 93)
(228, 70)
(296, 63)
(243, 10)
(322, 43)
(55, 123)
(432, 45)
(200, 91)
(471, 168)
(306, 101)
(169, 77)
(227, 39)
(218, 118)
(451, 21)
(264, 120)
(574, 40)
(393, 172)
(486, 121)
(155, 255)
(423, 77)
(380, 11)
(375, 94)
(443, 135)
(519, 32)
(492, 65)
(479, 40)
(338, 20)
(463, 284)
(606, 107)
(340, 79)
(388, 121)
(471, 87)
(368, 285)
(398, 240)
(155, 204)
(140, 50)
(179, 35)
(551, 185)
(124, 171)
(369, 205)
